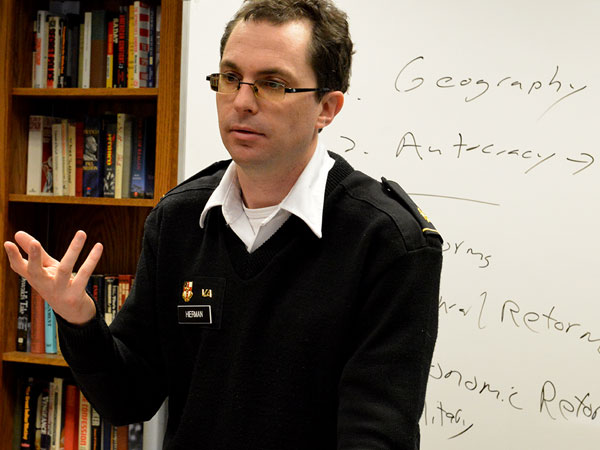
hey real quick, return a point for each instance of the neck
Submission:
(262, 187)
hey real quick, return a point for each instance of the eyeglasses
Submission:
(226, 83)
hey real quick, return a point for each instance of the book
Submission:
(18, 413)
(50, 329)
(41, 50)
(92, 155)
(138, 161)
(151, 46)
(85, 423)
(42, 437)
(98, 49)
(123, 155)
(39, 155)
(55, 29)
(110, 50)
(70, 432)
(79, 145)
(149, 151)
(38, 323)
(111, 291)
(29, 412)
(72, 159)
(110, 139)
(73, 25)
(124, 287)
(123, 47)
(86, 50)
(96, 430)
(58, 418)
(155, 428)
(131, 46)
(141, 20)
(57, 159)
(95, 289)
(64, 136)
(24, 313)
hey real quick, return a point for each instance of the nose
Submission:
(245, 100)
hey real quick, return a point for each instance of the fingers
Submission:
(17, 263)
(88, 266)
(65, 267)
(25, 240)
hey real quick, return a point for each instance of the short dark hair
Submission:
(330, 50)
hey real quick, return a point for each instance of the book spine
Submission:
(34, 56)
(42, 431)
(28, 423)
(127, 155)
(149, 150)
(79, 144)
(41, 45)
(96, 430)
(143, 34)
(131, 43)
(138, 163)
(84, 423)
(50, 329)
(122, 48)
(109, 53)
(54, 50)
(72, 159)
(151, 46)
(57, 159)
(64, 148)
(111, 285)
(58, 413)
(119, 156)
(62, 72)
(110, 136)
(71, 426)
(38, 325)
(87, 50)
(91, 173)
(98, 49)
(24, 313)
(35, 140)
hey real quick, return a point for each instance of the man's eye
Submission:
(273, 85)
(229, 78)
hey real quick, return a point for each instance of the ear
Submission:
(331, 105)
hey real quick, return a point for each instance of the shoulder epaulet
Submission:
(394, 190)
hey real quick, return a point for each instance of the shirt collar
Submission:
(305, 200)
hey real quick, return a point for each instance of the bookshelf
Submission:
(117, 223)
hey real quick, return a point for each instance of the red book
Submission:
(71, 428)
(38, 323)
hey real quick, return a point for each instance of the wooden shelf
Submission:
(97, 201)
(114, 93)
(35, 358)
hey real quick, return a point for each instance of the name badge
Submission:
(195, 314)
(200, 301)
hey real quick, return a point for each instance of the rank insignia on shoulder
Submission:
(187, 291)
(396, 192)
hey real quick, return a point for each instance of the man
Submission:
(282, 300)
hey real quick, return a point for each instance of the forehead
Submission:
(261, 47)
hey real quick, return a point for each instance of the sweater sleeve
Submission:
(383, 383)
(119, 368)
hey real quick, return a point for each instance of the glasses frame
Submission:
(255, 88)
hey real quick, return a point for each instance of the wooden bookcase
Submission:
(118, 224)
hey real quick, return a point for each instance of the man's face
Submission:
(270, 136)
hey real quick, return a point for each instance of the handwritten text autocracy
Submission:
(411, 78)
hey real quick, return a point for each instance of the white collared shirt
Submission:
(305, 200)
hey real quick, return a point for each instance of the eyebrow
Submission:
(226, 64)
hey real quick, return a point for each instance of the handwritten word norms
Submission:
(406, 81)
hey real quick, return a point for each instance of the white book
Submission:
(87, 50)
(41, 49)
(142, 42)
(57, 419)
(123, 155)
(57, 159)
(72, 158)
(39, 155)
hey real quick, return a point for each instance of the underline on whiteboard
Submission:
(456, 198)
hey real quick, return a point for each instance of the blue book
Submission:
(50, 332)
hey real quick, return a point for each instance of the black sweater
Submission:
(305, 343)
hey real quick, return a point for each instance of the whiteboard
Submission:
(488, 114)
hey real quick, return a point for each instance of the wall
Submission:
(487, 113)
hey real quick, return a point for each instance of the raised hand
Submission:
(53, 279)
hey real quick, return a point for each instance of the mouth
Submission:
(245, 131)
